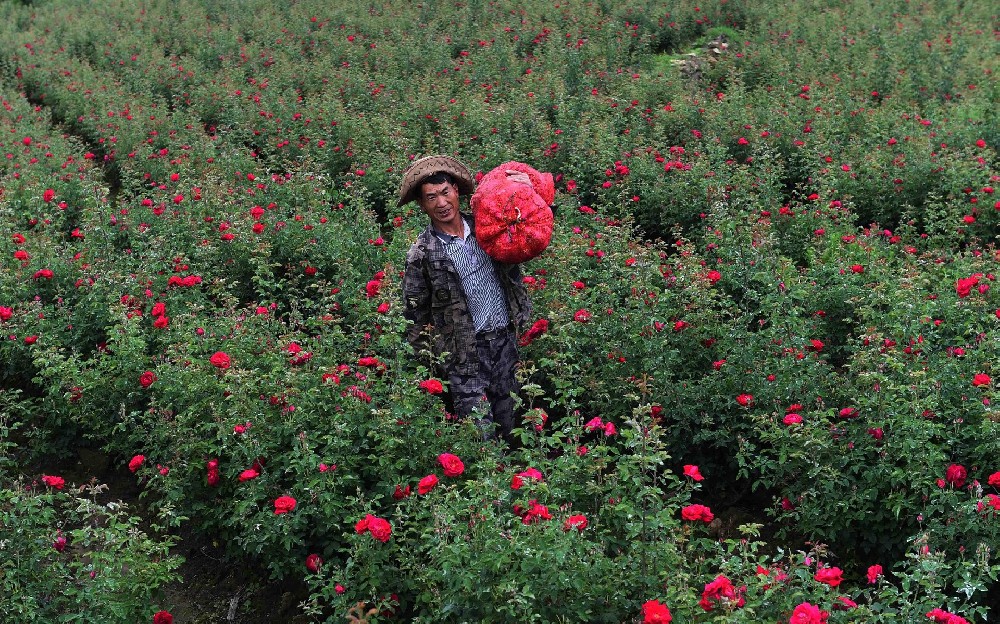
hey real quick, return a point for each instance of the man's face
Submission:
(440, 202)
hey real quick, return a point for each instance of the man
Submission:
(462, 304)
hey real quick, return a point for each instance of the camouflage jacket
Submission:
(434, 302)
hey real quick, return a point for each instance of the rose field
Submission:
(759, 384)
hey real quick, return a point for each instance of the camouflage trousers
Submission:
(487, 396)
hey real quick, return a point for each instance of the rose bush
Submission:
(772, 271)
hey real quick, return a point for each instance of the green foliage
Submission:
(69, 558)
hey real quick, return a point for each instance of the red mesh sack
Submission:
(540, 182)
(513, 220)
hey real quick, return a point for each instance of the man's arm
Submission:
(416, 298)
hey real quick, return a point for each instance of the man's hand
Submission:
(517, 176)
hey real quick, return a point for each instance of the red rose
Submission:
(163, 617)
(981, 380)
(220, 360)
(994, 479)
(582, 316)
(6, 313)
(248, 475)
(653, 612)
(806, 613)
(146, 380)
(517, 481)
(697, 512)
(744, 399)
(213, 472)
(380, 529)
(56, 483)
(401, 492)
(452, 465)
(135, 462)
(313, 563)
(829, 576)
(283, 504)
(431, 386)
(963, 287)
(578, 522)
(956, 474)
(59, 544)
(848, 412)
(792, 419)
(693, 472)
(535, 513)
(594, 424)
(721, 590)
(940, 616)
(427, 484)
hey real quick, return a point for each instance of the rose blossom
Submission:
(220, 360)
(697, 512)
(578, 522)
(956, 474)
(792, 419)
(721, 590)
(653, 612)
(163, 617)
(431, 386)
(313, 562)
(874, 572)
(829, 576)
(693, 472)
(135, 462)
(452, 464)
(517, 481)
(380, 529)
(427, 484)
(54, 482)
(806, 613)
(940, 616)
(212, 466)
(283, 505)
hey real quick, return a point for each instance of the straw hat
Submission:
(409, 188)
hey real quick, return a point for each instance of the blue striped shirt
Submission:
(483, 292)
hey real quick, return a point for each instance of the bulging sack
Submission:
(513, 220)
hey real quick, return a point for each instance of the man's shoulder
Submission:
(422, 246)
